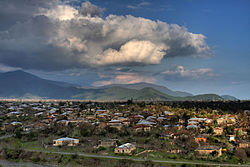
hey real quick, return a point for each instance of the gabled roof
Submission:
(126, 145)
(114, 121)
(192, 126)
(66, 139)
(208, 147)
(16, 123)
(145, 122)
(150, 117)
(168, 113)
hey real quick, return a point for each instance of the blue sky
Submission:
(224, 23)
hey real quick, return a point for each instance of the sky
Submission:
(198, 46)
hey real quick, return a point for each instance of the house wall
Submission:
(209, 152)
(107, 144)
(244, 145)
(200, 140)
(65, 142)
(124, 150)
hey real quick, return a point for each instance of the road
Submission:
(141, 159)
(5, 136)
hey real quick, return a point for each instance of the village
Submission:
(151, 130)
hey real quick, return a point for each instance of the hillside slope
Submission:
(141, 85)
(20, 84)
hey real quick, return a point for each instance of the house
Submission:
(231, 121)
(142, 127)
(107, 143)
(118, 114)
(201, 138)
(52, 111)
(140, 117)
(122, 119)
(151, 118)
(198, 120)
(16, 123)
(115, 124)
(66, 142)
(127, 148)
(145, 122)
(126, 122)
(231, 137)
(220, 121)
(14, 113)
(246, 111)
(208, 121)
(175, 151)
(209, 150)
(167, 134)
(103, 115)
(63, 122)
(90, 117)
(193, 123)
(183, 133)
(168, 113)
(27, 128)
(178, 126)
(243, 144)
(38, 114)
(100, 111)
(78, 121)
(218, 131)
(192, 127)
(160, 119)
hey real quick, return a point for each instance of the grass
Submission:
(37, 146)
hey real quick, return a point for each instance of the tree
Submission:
(17, 133)
(86, 129)
(241, 153)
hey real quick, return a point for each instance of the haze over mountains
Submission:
(142, 85)
(20, 84)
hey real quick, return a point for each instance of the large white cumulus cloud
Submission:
(134, 51)
(58, 36)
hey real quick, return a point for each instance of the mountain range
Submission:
(20, 84)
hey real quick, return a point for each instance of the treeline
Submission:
(235, 106)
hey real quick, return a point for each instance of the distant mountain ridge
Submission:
(228, 97)
(17, 84)
(142, 85)
(20, 84)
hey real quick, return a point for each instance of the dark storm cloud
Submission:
(13, 11)
(52, 35)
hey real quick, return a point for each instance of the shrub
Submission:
(75, 156)
(235, 160)
(12, 153)
(241, 154)
(172, 156)
(101, 148)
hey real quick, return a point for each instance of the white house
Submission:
(125, 148)
(65, 142)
